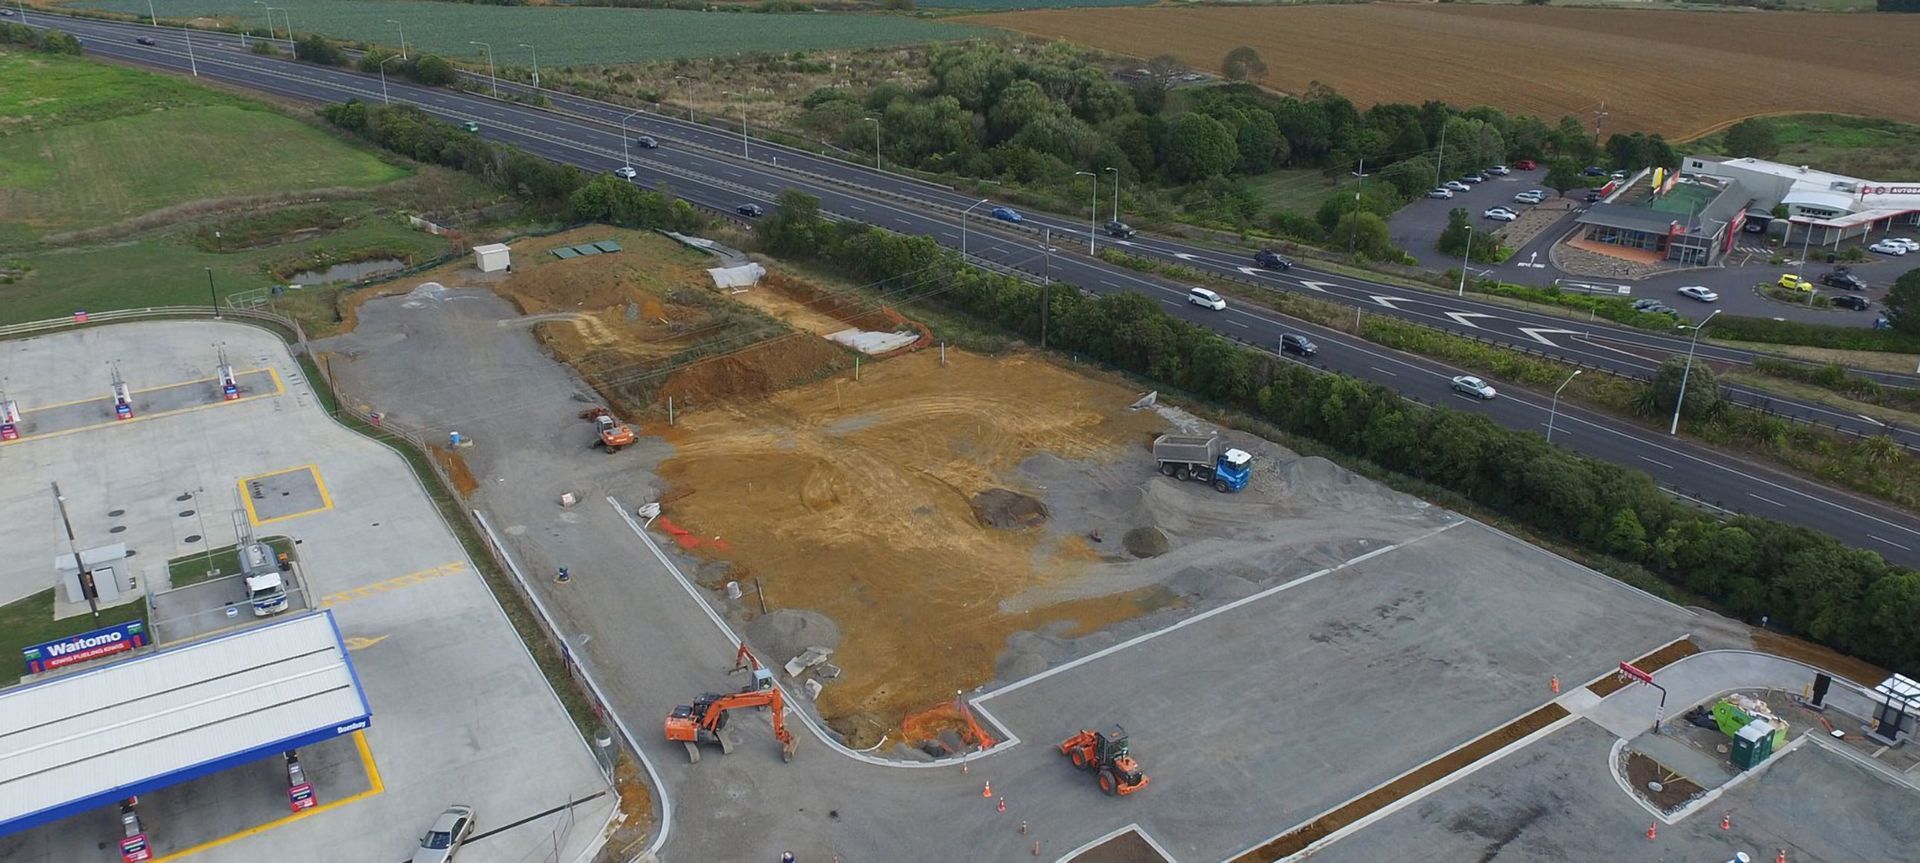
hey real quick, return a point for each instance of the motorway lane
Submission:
(720, 183)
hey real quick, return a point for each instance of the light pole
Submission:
(403, 37)
(536, 64)
(1116, 192)
(271, 32)
(243, 30)
(624, 159)
(284, 13)
(211, 294)
(689, 82)
(490, 79)
(743, 123)
(1463, 260)
(1093, 215)
(153, 20)
(1046, 283)
(876, 141)
(383, 78)
(191, 63)
(1688, 370)
(963, 227)
(1555, 409)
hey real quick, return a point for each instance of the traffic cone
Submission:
(986, 790)
(1651, 831)
(1782, 858)
(1554, 684)
(1003, 804)
(1036, 849)
(1726, 821)
(1023, 828)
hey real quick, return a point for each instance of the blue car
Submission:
(1006, 214)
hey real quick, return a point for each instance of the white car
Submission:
(1888, 247)
(1531, 196)
(625, 172)
(1911, 244)
(445, 837)
(1440, 192)
(1699, 292)
(1501, 214)
(1457, 186)
(1206, 299)
(1500, 170)
(1473, 386)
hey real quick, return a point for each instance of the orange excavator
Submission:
(1106, 755)
(705, 720)
(614, 434)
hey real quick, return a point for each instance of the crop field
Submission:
(1000, 5)
(1676, 73)
(566, 36)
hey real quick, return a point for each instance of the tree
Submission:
(432, 70)
(316, 49)
(1461, 238)
(1198, 147)
(1563, 174)
(1702, 395)
(1243, 63)
(1366, 234)
(1410, 176)
(1903, 303)
(1753, 137)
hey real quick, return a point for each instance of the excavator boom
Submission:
(705, 719)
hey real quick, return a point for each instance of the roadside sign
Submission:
(133, 849)
(93, 644)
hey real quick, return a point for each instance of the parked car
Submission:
(751, 211)
(1888, 247)
(1475, 178)
(1272, 260)
(1911, 244)
(1652, 307)
(1440, 192)
(1007, 214)
(1794, 283)
(1206, 299)
(1594, 171)
(470, 126)
(646, 142)
(1530, 196)
(1501, 214)
(1594, 197)
(1852, 301)
(444, 838)
(1841, 277)
(1457, 186)
(146, 40)
(1473, 386)
(1700, 293)
(1617, 175)
(1499, 170)
(1119, 229)
(1527, 165)
(625, 172)
(1294, 343)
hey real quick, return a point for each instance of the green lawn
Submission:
(1864, 147)
(1300, 190)
(193, 568)
(30, 621)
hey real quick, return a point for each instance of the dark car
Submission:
(1594, 197)
(1594, 171)
(751, 211)
(646, 142)
(1272, 260)
(1842, 278)
(1851, 301)
(1527, 165)
(146, 40)
(1295, 343)
(1119, 229)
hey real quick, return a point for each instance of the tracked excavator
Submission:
(705, 720)
(612, 435)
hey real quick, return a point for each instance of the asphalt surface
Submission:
(699, 164)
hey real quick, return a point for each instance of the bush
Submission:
(1769, 331)
(408, 131)
(48, 40)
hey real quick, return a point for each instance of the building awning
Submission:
(1629, 218)
(1852, 220)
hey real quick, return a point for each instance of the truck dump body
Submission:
(1193, 449)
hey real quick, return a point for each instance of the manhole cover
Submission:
(132, 552)
(118, 528)
(1654, 786)
(193, 537)
(186, 513)
(184, 497)
(116, 513)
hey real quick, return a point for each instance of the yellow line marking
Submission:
(361, 642)
(395, 583)
(326, 500)
(109, 397)
(138, 417)
(374, 787)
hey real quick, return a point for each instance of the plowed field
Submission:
(1676, 73)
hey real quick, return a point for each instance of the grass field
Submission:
(1676, 73)
(567, 36)
(30, 621)
(1863, 147)
(84, 145)
(1300, 191)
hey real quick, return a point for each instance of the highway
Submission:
(706, 166)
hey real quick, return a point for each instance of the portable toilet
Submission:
(492, 258)
(1753, 744)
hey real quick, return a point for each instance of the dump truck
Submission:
(611, 434)
(1206, 458)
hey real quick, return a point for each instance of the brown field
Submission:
(1677, 73)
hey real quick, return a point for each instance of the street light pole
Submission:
(284, 13)
(876, 141)
(153, 19)
(1463, 260)
(1046, 282)
(1093, 212)
(490, 78)
(689, 82)
(192, 64)
(624, 159)
(963, 227)
(1688, 370)
(536, 64)
(1116, 192)
(271, 32)
(403, 37)
(211, 295)
(383, 78)
(1555, 409)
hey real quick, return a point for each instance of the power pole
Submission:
(1046, 282)
(1599, 114)
(73, 545)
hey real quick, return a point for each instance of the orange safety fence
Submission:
(947, 716)
(686, 539)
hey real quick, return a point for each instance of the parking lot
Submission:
(460, 712)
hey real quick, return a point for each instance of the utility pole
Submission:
(1116, 192)
(1439, 162)
(1463, 260)
(876, 141)
(536, 64)
(689, 82)
(212, 294)
(1599, 114)
(403, 37)
(73, 545)
(1093, 211)
(490, 78)
(192, 64)
(1046, 282)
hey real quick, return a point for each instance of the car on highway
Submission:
(1888, 247)
(1530, 196)
(1843, 278)
(1006, 214)
(1475, 178)
(1119, 229)
(6, 13)
(1272, 260)
(1499, 170)
(1527, 165)
(1440, 192)
(1294, 343)
(1794, 283)
(1699, 292)
(1851, 301)
(470, 126)
(146, 40)
(751, 211)
(1457, 186)
(444, 838)
(647, 142)
(625, 172)
(1206, 299)
(1501, 214)
(1473, 386)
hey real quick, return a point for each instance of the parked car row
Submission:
(1465, 184)
(1894, 246)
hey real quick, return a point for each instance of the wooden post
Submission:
(761, 592)
(669, 410)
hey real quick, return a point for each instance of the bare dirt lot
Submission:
(1677, 73)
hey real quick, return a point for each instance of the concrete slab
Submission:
(215, 605)
(461, 714)
(286, 494)
(157, 401)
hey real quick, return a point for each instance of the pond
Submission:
(348, 272)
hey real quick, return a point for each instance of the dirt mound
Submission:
(787, 632)
(1145, 542)
(456, 468)
(753, 373)
(1008, 510)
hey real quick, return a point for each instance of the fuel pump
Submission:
(122, 397)
(9, 419)
(133, 843)
(299, 791)
(229, 386)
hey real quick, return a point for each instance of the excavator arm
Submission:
(689, 724)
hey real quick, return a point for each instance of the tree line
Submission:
(1805, 581)
(44, 39)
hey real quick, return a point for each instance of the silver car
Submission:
(1470, 385)
(446, 835)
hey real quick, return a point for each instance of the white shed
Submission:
(492, 258)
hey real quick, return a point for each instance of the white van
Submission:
(1206, 299)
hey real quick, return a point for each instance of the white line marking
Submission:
(1238, 324)
(1890, 542)
(1655, 461)
(1389, 301)
(1461, 318)
(1768, 500)
(1115, 287)
(1317, 286)
(1535, 334)
(1384, 371)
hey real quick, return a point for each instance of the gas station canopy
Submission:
(91, 738)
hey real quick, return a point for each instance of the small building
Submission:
(1823, 208)
(1686, 220)
(492, 258)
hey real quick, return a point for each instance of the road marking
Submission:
(1317, 286)
(857, 208)
(1115, 287)
(1890, 542)
(1248, 270)
(394, 583)
(1655, 461)
(1871, 420)
(1389, 301)
(357, 642)
(319, 485)
(1185, 257)
(1461, 318)
(375, 786)
(1768, 500)
(1535, 334)
(1237, 324)
(1384, 371)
